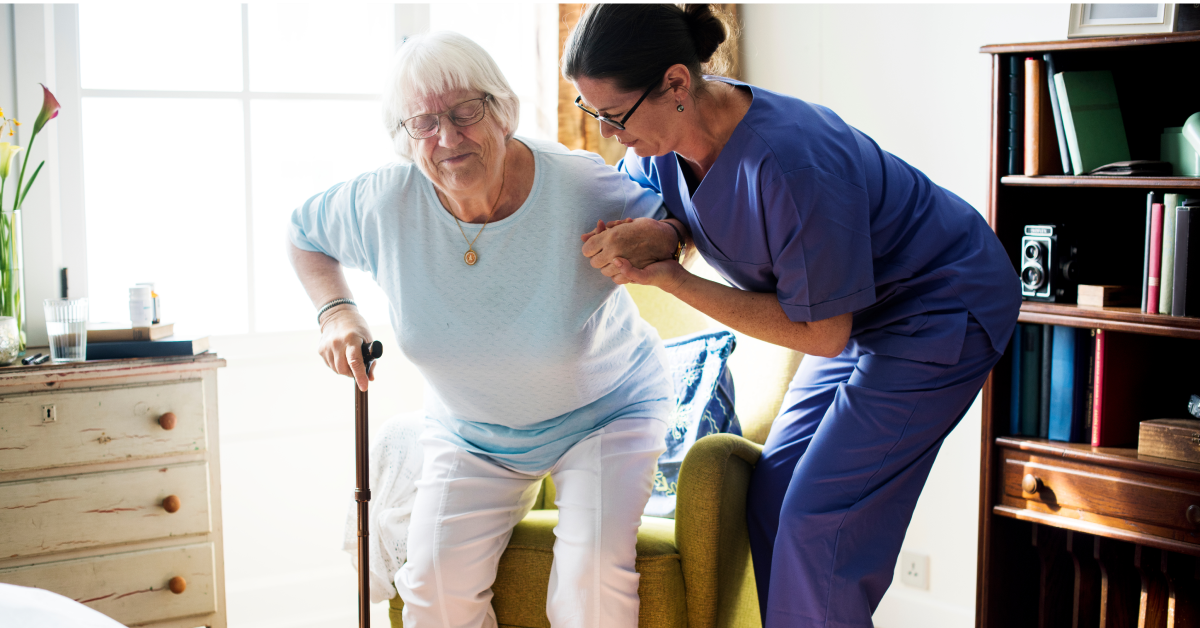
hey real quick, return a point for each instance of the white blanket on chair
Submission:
(395, 460)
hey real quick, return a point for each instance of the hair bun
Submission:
(706, 28)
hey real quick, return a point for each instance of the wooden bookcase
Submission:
(1105, 538)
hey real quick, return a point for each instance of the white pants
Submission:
(466, 509)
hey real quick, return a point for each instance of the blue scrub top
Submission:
(801, 204)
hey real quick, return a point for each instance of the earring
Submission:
(679, 108)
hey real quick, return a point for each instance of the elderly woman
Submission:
(534, 363)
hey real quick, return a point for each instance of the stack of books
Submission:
(1084, 385)
(109, 341)
(1168, 257)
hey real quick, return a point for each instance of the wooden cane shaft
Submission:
(362, 495)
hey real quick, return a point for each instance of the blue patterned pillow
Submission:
(703, 406)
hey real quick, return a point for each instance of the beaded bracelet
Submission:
(333, 303)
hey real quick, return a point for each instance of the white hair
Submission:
(435, 63)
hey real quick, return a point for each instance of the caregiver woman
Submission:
(896, 289)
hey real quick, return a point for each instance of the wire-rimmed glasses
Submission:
(465, 113)
(620, 126)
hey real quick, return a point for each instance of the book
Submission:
(1183, 261)
(1167, 267)
(1088, 371)
(1031, 377)
(1120, 389)
(1062, 384)
(1014, 405)
(1151, 199)
(1044, 383)
(169, 346)
(117, 332)
(1014, 162)
(1041, 144)
(1154, 274)
(1091, 119)
(1064, 153)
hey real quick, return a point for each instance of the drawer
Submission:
(100, 425)
(1135, 497)
(95, 509)
(131, 587)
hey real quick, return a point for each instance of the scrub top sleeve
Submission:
(820, 239)
(331, 223)
(638, 169)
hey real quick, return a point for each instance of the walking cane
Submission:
(362, 493)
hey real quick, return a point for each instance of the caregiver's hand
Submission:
(668, 275)
(343, 332)
(641, 241)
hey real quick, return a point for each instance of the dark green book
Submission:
(169, 346)
(1031, 378)
(1092, 119)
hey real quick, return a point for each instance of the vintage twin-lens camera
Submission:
(1047, 265)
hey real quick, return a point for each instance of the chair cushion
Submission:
(524, 574)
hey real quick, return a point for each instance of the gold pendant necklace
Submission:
(471, 257)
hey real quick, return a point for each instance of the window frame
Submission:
(50, 50)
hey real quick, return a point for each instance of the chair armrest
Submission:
(711, 532)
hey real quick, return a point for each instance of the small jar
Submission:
(156, 310)
(141, 306)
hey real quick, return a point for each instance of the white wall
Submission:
(912, 78)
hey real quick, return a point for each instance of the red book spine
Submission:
(1156, 236)
(1098, 389)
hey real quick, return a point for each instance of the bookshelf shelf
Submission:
(1117, 457)
(1123, 319)
(1061, 181)
(1122, 41)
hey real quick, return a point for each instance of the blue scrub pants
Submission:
(833, 494)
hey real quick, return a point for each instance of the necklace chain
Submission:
(471, 257)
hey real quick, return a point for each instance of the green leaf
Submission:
(21, 198)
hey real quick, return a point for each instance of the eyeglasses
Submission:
(465, 113)
(620, 126)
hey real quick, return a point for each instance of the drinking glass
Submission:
(66, 325)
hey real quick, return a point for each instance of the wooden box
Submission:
(1175, 439)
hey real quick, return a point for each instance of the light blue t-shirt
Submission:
(529, 350)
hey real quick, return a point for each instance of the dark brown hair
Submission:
(634, 44)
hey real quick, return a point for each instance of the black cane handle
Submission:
(371, 352)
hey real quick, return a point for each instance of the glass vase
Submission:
(12, 280)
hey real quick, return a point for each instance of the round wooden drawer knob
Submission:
(170, 503)
(167, 421)
(1193, 515)
(177, 585)
(1031, 483)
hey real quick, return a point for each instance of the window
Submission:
(196, 154)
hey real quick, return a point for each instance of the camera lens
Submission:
(1032, 277)
(1033, 251)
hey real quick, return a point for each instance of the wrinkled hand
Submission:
(667, 275)
(342, 334)
(640, 241)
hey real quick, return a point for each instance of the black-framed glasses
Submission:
(620, 126)
(465, 113)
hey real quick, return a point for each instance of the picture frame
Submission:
(1102, 19)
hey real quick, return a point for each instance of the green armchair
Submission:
(695, 569)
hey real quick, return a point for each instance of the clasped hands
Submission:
(635, 250)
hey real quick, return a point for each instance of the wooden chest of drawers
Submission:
(110, 487)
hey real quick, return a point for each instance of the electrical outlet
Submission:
(914, 570)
